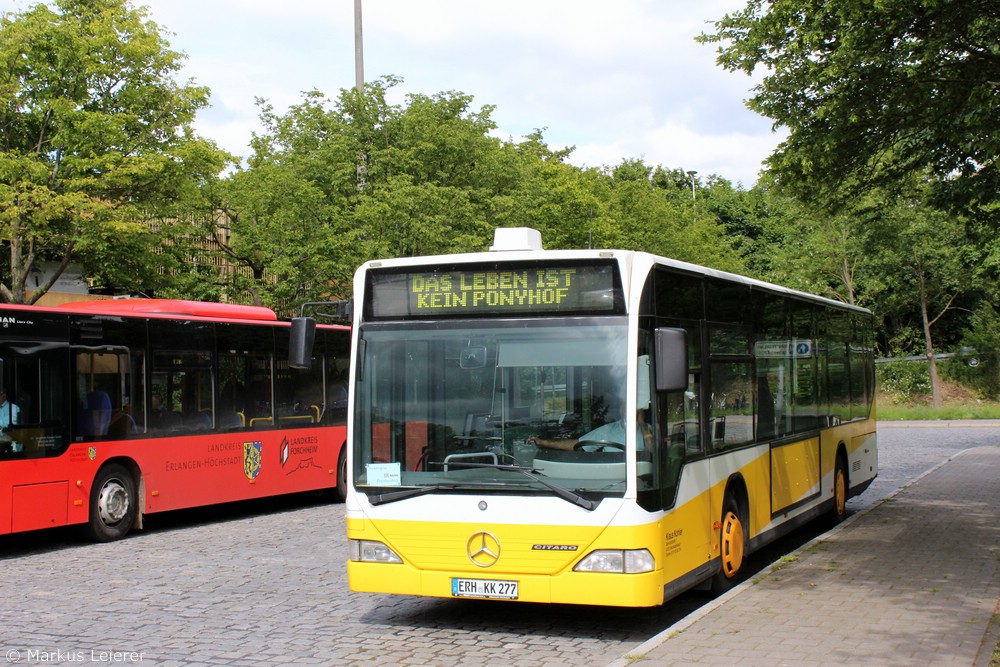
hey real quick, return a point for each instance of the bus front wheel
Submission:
(112, 504)
(732, 547)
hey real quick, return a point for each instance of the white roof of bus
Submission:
(626, 257)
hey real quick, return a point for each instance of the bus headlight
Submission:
(368, 551)
(622, 561)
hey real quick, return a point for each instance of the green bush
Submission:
(977, 366)
(977, 370)
(902, 381)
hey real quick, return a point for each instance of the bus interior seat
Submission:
(477, 423)
(477, 428)
(95, 414)
(199, 421)
(121, 424)
(231, 421)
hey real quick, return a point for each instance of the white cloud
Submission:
(618, 79)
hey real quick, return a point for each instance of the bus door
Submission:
(680, 471)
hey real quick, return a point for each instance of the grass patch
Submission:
(995, 660)
(784, 561)
(957, 402)
(984, 410)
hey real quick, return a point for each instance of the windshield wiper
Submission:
(403, 494)
(565, 494)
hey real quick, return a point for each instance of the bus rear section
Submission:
(117, 409)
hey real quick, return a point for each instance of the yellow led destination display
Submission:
(493, 288)
(469, 291)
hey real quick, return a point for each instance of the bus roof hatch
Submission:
(516, 238)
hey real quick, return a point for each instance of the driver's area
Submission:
(502, 408)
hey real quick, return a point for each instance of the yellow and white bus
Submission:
(732, 411)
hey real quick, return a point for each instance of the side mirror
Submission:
(671, 359)
(300, 343)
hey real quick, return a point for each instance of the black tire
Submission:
(342, 475)
(113, 504)
(732, 547)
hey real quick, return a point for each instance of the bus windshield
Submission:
(525, 406)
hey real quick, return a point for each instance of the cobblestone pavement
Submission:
(271, 589)
(266, 585)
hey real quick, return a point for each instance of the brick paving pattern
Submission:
(913, 581)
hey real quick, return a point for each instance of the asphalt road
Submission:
(265, 584)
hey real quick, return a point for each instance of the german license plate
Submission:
(484, 588)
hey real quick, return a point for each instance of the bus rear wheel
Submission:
(732, 547)
(112, 504)
(839, 510)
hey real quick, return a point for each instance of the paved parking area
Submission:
(271, 589)
(267, 586)
(914, 581)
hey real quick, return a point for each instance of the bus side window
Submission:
(102, 390)
(731, 416)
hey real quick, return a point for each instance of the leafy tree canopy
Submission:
(332, 184)
(873, 91)
(95, 139)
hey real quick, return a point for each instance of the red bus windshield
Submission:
(112, 410)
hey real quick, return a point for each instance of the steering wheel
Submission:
(598, 446)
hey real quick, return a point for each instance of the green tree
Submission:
(431, 176)
(811, 249)
(284, 211)
(655, 215)
(569, 206)
(95, 137)
(333, 184)
(978, 365)
(875, 91)
(920, 270)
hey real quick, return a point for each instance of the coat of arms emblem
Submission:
(251, 459)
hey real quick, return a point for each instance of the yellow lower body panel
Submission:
(438, 559)
(589, 588)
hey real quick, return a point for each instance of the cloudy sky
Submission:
(617, 79)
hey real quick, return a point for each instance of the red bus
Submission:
(115, 409)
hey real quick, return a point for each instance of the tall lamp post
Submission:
(359, 86)
(359, 51)
(694, 204)
(691, 175)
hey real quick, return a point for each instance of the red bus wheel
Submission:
(112, 504)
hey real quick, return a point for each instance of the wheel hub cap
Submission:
(113, 502)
